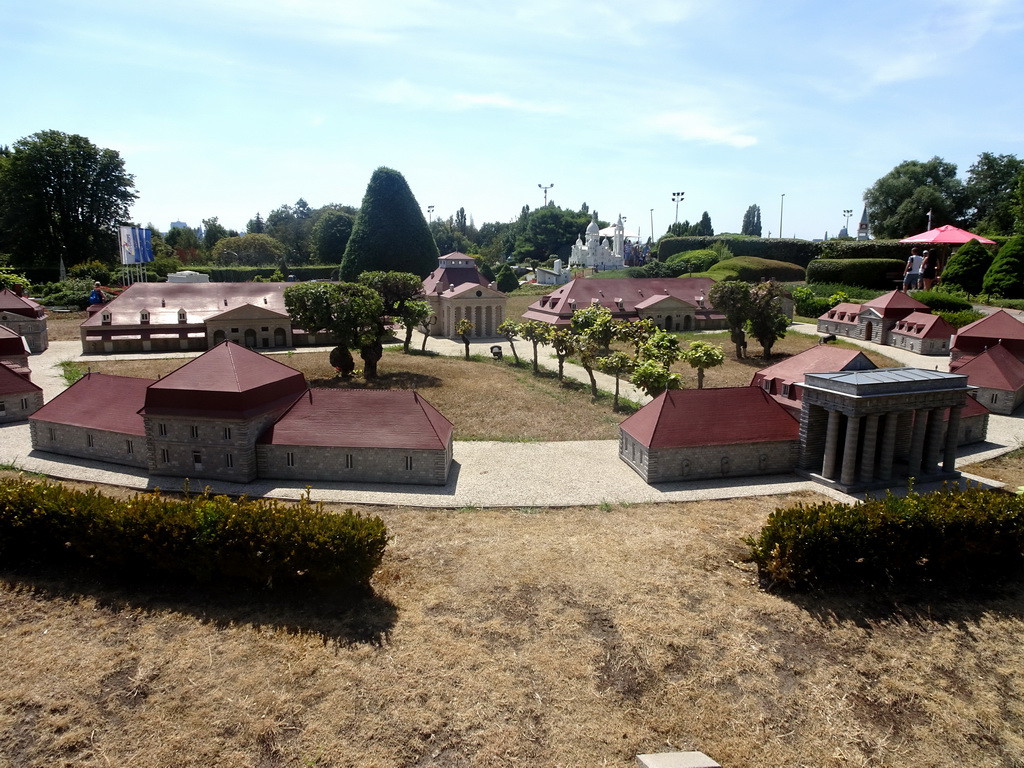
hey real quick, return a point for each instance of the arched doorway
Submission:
(250, 338)
(868, 330)
(687, 323)
(218, 337)
(279, 337)
(668, 322)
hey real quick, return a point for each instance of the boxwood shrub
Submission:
(948, 534)
(203, 539)
(753, 270)
(882, 274)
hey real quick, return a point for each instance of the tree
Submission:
(213, 232)
(256, 226)
(414, 314)
(248, 251)
(966, 268)
(561, 341)
(506, 279)
(899, 202)
(549, 230)
(464, 327)
(752, 222)
(767, 322)
(330, 236)
(617, 364)
(390, 232)
(703, 355)
(396, 289)
(991, 184)
(62, 196)
(537, 333)
(732, 298)
(592, 329)
(447, 238)
(653, 378)
(1005, 278)
(636, 334)
(348, 310)
(510, 329)
(184, 243)
(293, 227)
(704, 228)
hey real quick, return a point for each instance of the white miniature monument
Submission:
(596, 254)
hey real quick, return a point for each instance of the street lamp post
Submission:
(677, 197)
(782, 205)
(430, 214)
(652, 225)
(545, 188)
(847, 212)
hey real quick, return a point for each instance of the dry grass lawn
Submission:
(572, 637)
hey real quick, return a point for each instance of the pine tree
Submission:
(1005, 278)
(967, 267)
(390, 233)
(752, 222)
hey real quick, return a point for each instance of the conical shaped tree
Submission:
(967, 267)
(390, 233)
(1005, 278)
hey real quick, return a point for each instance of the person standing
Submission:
(912, 272)
(929, 266)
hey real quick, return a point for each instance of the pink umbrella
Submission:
(947, 234)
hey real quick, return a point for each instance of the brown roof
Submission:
(557, 306)
(228, 380)
(14, 382)
(844, 312)
(201, 301)
(924, 325)
(725, 416)
(995, 368)
(896, 304)
(99, 401)
(999, 325)
(361, 418)
(19, 305)
(820, 358)
(11, 343)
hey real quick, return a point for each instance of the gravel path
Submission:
(484, 474)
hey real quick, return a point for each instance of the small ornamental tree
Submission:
(414, 314)
(464, 327)
(732, 298)
(561, 341)
(390, 232)
(617, 364)
(636, 334)
(967, 267)
(505, 280)
(537, 333)
(703, 355)
(653, 378)
(1005, 278)
(396, 289)
(510, 329)
(767, 322)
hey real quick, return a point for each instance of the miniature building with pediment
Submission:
(456, 291)
(26, 318)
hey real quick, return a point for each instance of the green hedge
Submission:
(940, 300)
(247, 274)
(948, 534)
(800, 252)
(868, 273)
(865, 249)
(752, 270)
(205, 539)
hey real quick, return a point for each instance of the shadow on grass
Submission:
(386, 380)
(342, 620)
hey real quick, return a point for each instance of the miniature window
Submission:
(193, 432)
(161, 430)
(234, 330)
(182, 316)
(350, 461)
(3, 409)
(229, 460)
(165, 456)
(89, 440)
(53, 435)
(105, 318)
(767, 384)
(995, 398)
(408, 463)
(289, 459)
(785, 390)
(227, 433)
(144, 317)
(197, 459)
(265, 329)
(128, 447)
(24, 403)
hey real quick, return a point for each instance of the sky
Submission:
(223, 108)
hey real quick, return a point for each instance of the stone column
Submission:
(849, 472)
(888, 446)
(932, 442)
(828, 468)
(867, 461)
(952, 438)
(917, 443)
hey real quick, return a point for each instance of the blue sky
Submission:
(225, 108)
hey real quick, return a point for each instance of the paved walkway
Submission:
(484, 474)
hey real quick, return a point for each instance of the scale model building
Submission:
(25, 317)
(232, 414)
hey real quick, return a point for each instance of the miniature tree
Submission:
(415, 313)
(703, 355)
(967, 267)
(537, 333)
(767, 322)
(505, 280)
(732, 298)
(617, 364)
(396, 289)
(464, 327)
(561, 341)
(653, 378)
(510, 329)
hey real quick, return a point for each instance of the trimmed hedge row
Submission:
(943, 535)
(869, 273)
(775, 249)
(205, 539)
(247, 274)
(866, 249)
(752, 270)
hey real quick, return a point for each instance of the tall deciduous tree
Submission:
(213, 232)
(248, 250)
(732, 297)
(899, 202)
(767, 321)
(62, 196)
(991, 183)
(752, 222)
(390, 232)
(330, 236)
(702, 355)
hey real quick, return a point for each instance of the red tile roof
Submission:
(896, 304)
(820, 358)
(12, 344)
(844, 312)
(995, 368)
(228, 380)
(14, 382)
(924, 325)
(19, 305)
(361, 418)
(999, 325)
(99, 401)
(446, 277)
(682, 418)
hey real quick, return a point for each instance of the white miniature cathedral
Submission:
(596, 254)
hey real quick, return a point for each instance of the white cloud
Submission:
(693, 126)
(403, 92)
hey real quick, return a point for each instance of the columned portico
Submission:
(867, 411)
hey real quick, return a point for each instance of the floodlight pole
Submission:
(652, 225)
(677, 197)
(545, 188)
(782, 205)
(847, 212)
(430, 214)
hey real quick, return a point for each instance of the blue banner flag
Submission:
(136, 245)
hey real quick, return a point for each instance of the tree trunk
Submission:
(408, 339)
(535, 369)
(593, 381)
(371, 354)
(514, 355)
(700, 378)
(465, 340)
(615, 400)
